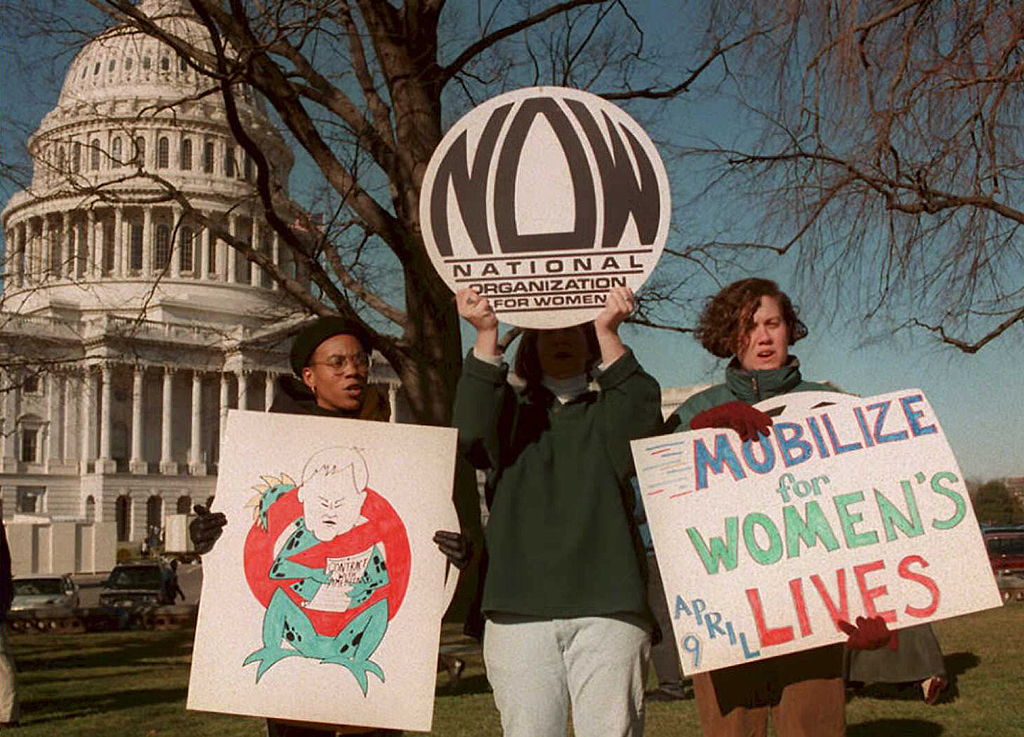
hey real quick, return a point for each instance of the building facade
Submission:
(127, 330)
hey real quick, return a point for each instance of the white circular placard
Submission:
(542, 199)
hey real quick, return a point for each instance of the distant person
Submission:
(150, 542)
(331, 361)
(567, 622)
(753, 323)
(173, 586)
(9, 707)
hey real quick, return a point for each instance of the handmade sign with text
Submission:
(322, 601)
(542, 199)
(850, 507)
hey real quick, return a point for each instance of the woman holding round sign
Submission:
(565, 600)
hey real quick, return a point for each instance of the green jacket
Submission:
(746, 386)
(561, 539)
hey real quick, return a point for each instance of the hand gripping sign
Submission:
(543, 199)
(850, 507)
(322, 601)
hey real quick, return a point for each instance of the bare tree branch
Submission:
(483, 44)
(976, 345)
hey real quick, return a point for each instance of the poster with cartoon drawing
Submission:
(322, 600)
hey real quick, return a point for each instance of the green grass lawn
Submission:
(134, 683)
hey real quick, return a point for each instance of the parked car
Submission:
(44, 594)
(1005, 550)
(137, 585)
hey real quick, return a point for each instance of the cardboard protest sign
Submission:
(851, 507)
(542, 199)
(322, 601)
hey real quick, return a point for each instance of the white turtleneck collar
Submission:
(566, 390)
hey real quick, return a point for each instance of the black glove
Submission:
(206, 528)
(457, 548)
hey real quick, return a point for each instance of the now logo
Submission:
(543, 181)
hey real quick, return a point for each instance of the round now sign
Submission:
(542, 200)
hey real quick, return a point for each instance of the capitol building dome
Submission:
(127, 327)
(135, 121)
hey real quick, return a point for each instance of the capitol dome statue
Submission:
(127, 328)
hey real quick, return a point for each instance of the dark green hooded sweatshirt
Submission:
(746, 386)
(561, 538)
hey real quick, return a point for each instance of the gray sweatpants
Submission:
(538, 668)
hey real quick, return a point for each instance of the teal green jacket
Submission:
(560, 536)
(746, 386)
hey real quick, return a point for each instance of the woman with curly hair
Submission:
(754, 322)
(567, 619)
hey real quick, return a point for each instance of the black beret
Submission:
(311, 336)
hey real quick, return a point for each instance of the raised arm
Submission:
(477, 311)
(618, 305)
(482, 393)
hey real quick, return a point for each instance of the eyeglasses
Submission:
(359, 361)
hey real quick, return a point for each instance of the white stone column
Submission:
(268, 391)
(69, 245)
(46, 249)
(19, 255)
(147, 240)
(32, 253)
(151, 138)
(243, 388)
(232, 275)
(26, 274)
(101, 247)
(175, 236)
(204, 252)
(104, 464)
(10, 405)
(26, 247)
(89, 267)
(40, 247)
(71, 396)
(81, 247)
(224, 388)
(88, 399)
(255, 272)
(167, 464)
(34, 247)
(55, 418)
(121, 247)
(10, 254)
(195, 451)
(137, 464)
(222, 260)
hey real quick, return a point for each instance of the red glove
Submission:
(738, 416)
(869, 634)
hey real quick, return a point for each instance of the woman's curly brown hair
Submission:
(726, 316)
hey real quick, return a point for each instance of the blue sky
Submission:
(979, 399)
